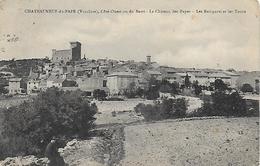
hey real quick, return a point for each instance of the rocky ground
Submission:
(106, 149)
(24, 161)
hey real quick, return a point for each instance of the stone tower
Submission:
(76, 50)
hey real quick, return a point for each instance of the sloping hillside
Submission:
(232, 141)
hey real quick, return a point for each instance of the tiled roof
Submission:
(219, 75)
(15, 79)
(168, 69)
(200, 74)
(59, 80)
(153, 72)
(55, 79)
(184, 74)
(231, 73)
(122, 74)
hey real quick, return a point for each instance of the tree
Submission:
(165, 88)
(99, 94)
(247, 88)
(187, 81)
(131, 90)
(257, 86)
(197, 88)
(139, 92)
(222, 104)
(69, 83)
(168, 108)
(153, 89)
(3, 84)
(175, 88)
(30, 126)
(220, 85)
(23, 84)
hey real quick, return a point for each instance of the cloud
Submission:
(217, 54)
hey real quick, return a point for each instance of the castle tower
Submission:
(76, 50)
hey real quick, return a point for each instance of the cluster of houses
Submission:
(68, 71)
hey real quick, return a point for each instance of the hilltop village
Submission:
(115, 112)
(67, 70)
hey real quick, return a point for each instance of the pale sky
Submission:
(179, 40)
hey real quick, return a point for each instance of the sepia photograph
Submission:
(129, 82)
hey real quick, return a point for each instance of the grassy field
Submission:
(125, 110)
(231, 141)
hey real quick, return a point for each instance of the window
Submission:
(104, 83)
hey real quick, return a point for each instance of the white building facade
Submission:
(119, 81)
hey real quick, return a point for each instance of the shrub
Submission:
(99, 94)
(140, 92)
(222, 104)
(220, 85)
(180, 106)
(113, 113)
(131, 90)
(152, 94)
(167, 87)
(187, 81)
(149, 112)
(3, 84)
(247, 88)
(168, 108)
(29, 126)
(229, 104)
(69, 83)
(152, 91)
(197, 88)
(252, 107)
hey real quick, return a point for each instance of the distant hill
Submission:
(21, 67)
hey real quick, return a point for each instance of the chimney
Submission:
(148, 59)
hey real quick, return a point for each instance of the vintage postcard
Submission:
(129, 82)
